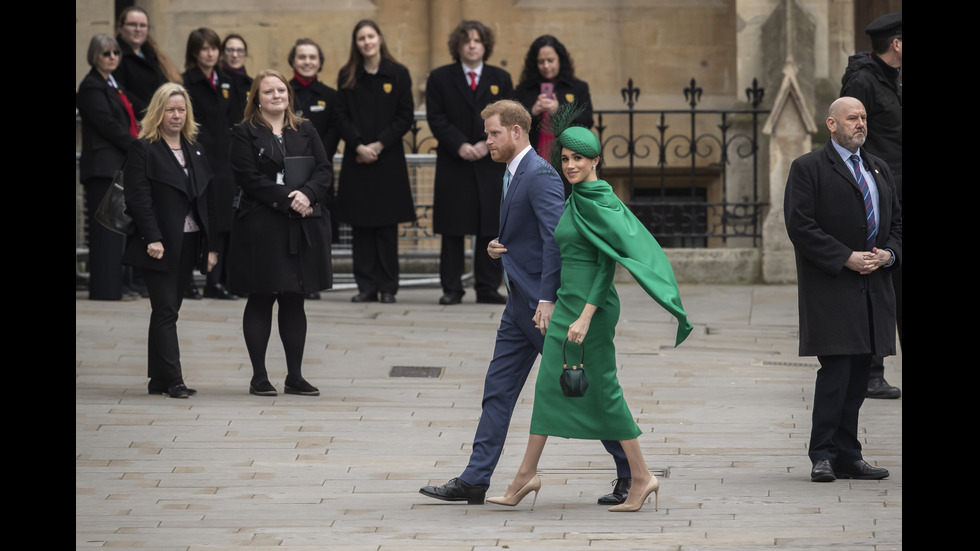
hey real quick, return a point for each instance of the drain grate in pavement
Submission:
(415, 371)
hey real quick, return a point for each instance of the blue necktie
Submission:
(506, 181)
(869, 208)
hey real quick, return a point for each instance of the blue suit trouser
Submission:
(519, 343)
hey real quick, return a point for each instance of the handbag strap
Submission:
(581, 361)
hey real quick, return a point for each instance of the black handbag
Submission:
(112, 210)
(573, 381)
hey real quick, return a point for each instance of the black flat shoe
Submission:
(219, 292)
(302, 388)
(193, 292)
(451, 298)
(388, 298)
(621, 489)
(365, 297)
(262, 388)
(179, 391)
(456, 490)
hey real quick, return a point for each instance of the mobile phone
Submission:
(548, 89)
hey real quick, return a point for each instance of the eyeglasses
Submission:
(236, 51)
(110, 53)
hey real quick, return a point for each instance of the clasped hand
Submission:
(865, 262)
(301, 203)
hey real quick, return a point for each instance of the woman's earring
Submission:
(593, 167)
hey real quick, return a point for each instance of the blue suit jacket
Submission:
(528, 216)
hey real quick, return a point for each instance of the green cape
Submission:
(604, 220)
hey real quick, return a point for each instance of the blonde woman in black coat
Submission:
(108, 129)
(166, 178)
(280, 238)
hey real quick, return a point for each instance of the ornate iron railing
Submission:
(692, 174)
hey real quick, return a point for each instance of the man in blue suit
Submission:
(532, 203)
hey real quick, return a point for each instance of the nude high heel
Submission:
(653, 487)
(533, 485)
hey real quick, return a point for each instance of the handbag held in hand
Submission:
(112, 210)
(574, 384)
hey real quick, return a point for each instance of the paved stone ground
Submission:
(725, 417)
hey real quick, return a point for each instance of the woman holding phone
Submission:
(547, 82)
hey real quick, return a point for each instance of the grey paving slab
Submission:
(725, 421)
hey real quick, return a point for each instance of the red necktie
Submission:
(472, 80)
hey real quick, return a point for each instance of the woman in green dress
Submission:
(595, 233)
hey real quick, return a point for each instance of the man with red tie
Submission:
(468, 183)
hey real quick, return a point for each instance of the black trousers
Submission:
(842, 383)
(166, 295)
(487, 274)
(375, 255)
(105, 248)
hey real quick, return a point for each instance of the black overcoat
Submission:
(139, 76)
(105, 128)
(272, 248)
(378, 108)
(318, 103)
(212, 111)
(467, 194)
(159, 196)
(567, 90)
(241, 84)
(841, 311)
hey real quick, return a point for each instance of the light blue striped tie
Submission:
(506, 181)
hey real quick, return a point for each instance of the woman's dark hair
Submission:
(355, 60)
(198, 39)
(461, 34)
(305, 42)
(167, 66)
(531, 74)
(224, 43)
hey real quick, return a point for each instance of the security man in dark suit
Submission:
(845, 221)
(468, 183)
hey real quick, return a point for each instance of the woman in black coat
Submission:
(234, 50)
(280, 244)
(144, 67)
(547, 82)
(210, 90)
(315, 101)
(108, 129)
(376, 110)
(166, 179)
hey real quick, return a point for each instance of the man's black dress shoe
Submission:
(492, 297)
(456, 490)
(822, 472)
(859, 470)
(192, 292)
(365, 297)
(315, 295)
(219, 292)
(878, 387)
(620, 490)
(451, 298)
(388, 298)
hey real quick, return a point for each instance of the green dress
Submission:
(594, 233)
